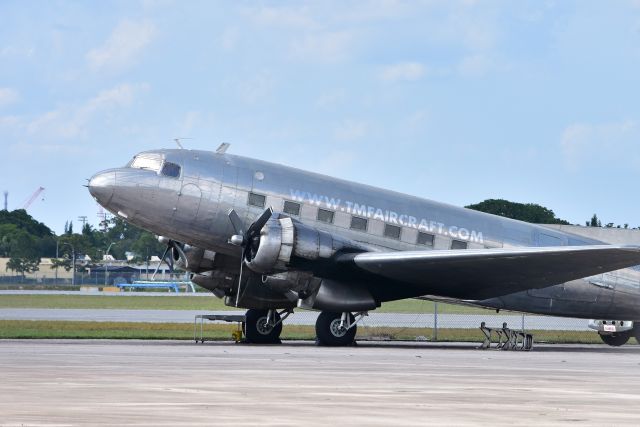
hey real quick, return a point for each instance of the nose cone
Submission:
(101, 186)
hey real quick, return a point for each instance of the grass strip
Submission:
(37, 329)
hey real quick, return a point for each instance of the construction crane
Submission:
(33, 197)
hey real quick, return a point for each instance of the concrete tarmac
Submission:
(168, 383)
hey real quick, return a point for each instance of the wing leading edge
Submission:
(487, 273)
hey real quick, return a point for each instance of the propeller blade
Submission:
(162, 259)
(260, 222)
(240, 278)
(176, 247)
(244, 239)
(237, 223)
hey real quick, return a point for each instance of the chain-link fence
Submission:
(98, 279)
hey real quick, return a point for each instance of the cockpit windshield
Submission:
(147, 161)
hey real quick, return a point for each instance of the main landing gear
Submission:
(337, 329)
(617, 339)
(621, 338)
(332, 328)
(264, 326)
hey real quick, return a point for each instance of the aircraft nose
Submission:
(101, 186)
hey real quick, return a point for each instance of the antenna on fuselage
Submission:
(177, 141)
(223, 148)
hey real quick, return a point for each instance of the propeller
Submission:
(175, 248)
(248, 240)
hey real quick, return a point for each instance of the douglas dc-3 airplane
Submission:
(270, 238)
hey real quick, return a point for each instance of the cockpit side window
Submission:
(171, 169)
(147, 162)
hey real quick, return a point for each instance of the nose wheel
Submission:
(336, 329)
(263, 326)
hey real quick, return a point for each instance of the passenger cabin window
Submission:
(458, 244)
(358, 223)
(325, 215)
(171, 169)
(425, 239)
(392, 231)
(291, 208)
(258, 200)
(152, 163)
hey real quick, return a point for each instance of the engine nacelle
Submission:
(197, 259)
(283, 240)
(220, 283)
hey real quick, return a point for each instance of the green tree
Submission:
(146, 246)
(594, 222)
(25, 256)
(529, 212)
(61, 262)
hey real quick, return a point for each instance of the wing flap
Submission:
(487, 273)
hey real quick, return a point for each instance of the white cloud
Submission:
(10, 123)
(350, 130)
(335, 162)
(282, 17)
(8, 96)
(474, 65)
(404, 71)
(331, 99)
(229, 39)
(256, 88)
(585, 144)
(123, 46)
(70, 122)
(326, 47)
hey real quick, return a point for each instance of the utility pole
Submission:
(6, 197)
(83, 220)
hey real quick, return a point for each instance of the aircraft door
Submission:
(188, 205)
(209, 183)
(179, 176)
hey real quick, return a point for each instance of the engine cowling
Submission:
(197, 259)
(284, 240)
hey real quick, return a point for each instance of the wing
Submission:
(487, 273)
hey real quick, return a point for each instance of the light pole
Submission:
(106, 273)
(56, 281)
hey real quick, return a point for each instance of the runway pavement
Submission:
(164, 383)
(400, 320)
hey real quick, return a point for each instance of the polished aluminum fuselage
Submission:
(193, 208)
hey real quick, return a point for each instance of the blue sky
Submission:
(456, 101)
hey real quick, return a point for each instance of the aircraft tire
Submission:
(256, 333)
(616, 340)
(328, 331)
(636, 331)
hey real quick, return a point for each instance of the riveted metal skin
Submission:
(192, 208)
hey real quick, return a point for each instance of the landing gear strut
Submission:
(337, 329)
(616, 339)
(263, 326)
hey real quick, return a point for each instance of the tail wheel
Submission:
(257, 329)
(330, 332)
(617, 339)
